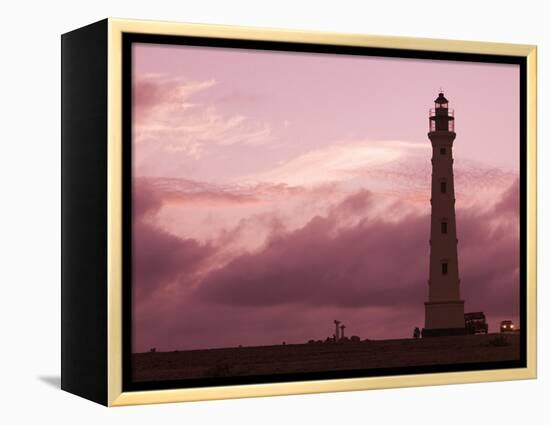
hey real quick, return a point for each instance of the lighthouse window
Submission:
(443, 187)
(443, 151)
(443, 227)
(443, 268)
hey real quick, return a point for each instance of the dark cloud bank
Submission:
(371, 274)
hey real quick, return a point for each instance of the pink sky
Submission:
(275, 192)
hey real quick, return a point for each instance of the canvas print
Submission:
(297, 213)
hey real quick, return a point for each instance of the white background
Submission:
(30, 211)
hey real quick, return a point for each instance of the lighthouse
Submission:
(444, 310)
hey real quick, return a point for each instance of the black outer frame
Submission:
(84, 212)
(129, 38)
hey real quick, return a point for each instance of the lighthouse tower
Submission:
(444, 309)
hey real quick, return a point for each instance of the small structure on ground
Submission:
(337, 332)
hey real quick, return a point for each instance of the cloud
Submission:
(489, 255)
(175, 115)
(160, 258)
(510, 202)
(175, 191)
(335, 162)
(393, 167)
(153, 94)
(324, 264)
(373, 264)
(351, 263)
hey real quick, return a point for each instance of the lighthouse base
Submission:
(443, 332)
(444, 318)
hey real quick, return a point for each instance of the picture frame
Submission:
(98, 358)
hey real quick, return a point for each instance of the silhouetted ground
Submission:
(290, 358)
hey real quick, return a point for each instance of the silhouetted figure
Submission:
(416, 333)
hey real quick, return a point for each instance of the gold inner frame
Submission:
(116, 397)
